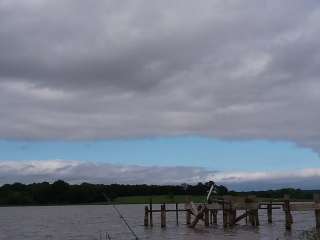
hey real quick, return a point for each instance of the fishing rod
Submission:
(121, 216)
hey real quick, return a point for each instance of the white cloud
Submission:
(78, 171)
(271, 175)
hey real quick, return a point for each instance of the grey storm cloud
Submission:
(126, 69)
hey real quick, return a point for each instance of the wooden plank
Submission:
(302, 206)
(244, 206)
(214, 206)
(294, 206)
(244, 215)
(198, 217)
(273, 203)
(218, 206)
(194, 206)
(271, 208)
(169, 210)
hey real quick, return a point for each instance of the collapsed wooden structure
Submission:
(234, 209)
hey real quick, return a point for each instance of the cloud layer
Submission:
(78, 172)
(110, 69)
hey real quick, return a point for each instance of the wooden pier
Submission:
(148, 214)
(233, 209)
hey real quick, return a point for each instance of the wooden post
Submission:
(269, 209)
(226, 208)
(251, 218)
(146, 216)
(233, 216)
(252, 210)
(177, 214)
(163, 215)
(249, 201)
(316, 198)
(206, 216)
(188, 216)
(188, 212)
(150, 207)
(228, 211)
(214, 216)
(256, 217)
(286, 208)
(224, 215)
(246, 216)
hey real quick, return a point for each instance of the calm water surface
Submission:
(92, 222)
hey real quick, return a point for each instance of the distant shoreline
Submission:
(135, 200)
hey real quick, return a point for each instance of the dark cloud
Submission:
(104, 69)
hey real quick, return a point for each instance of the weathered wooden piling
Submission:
(253, 217)
(316, 198)
(163, 215)
(146, 216)
(269, 212)
(206, 216)
(256, 217)
(246, 217)
(177, 214)
(211, 216)
(215, 216)
(232, 216)
(188, 217)
(188, 211)
(250, 216)
(150, 207)
(252, 210)
(225, 217)
(287, 210)
(227, 211)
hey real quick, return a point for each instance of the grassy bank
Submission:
(157, 199)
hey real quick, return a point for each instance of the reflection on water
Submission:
(91, 222)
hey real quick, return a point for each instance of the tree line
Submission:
(61, 192)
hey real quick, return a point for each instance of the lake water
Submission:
(92, 222)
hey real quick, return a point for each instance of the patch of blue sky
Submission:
(213, 154)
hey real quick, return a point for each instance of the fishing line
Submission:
(122, 217)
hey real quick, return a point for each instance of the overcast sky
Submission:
(82, 70)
